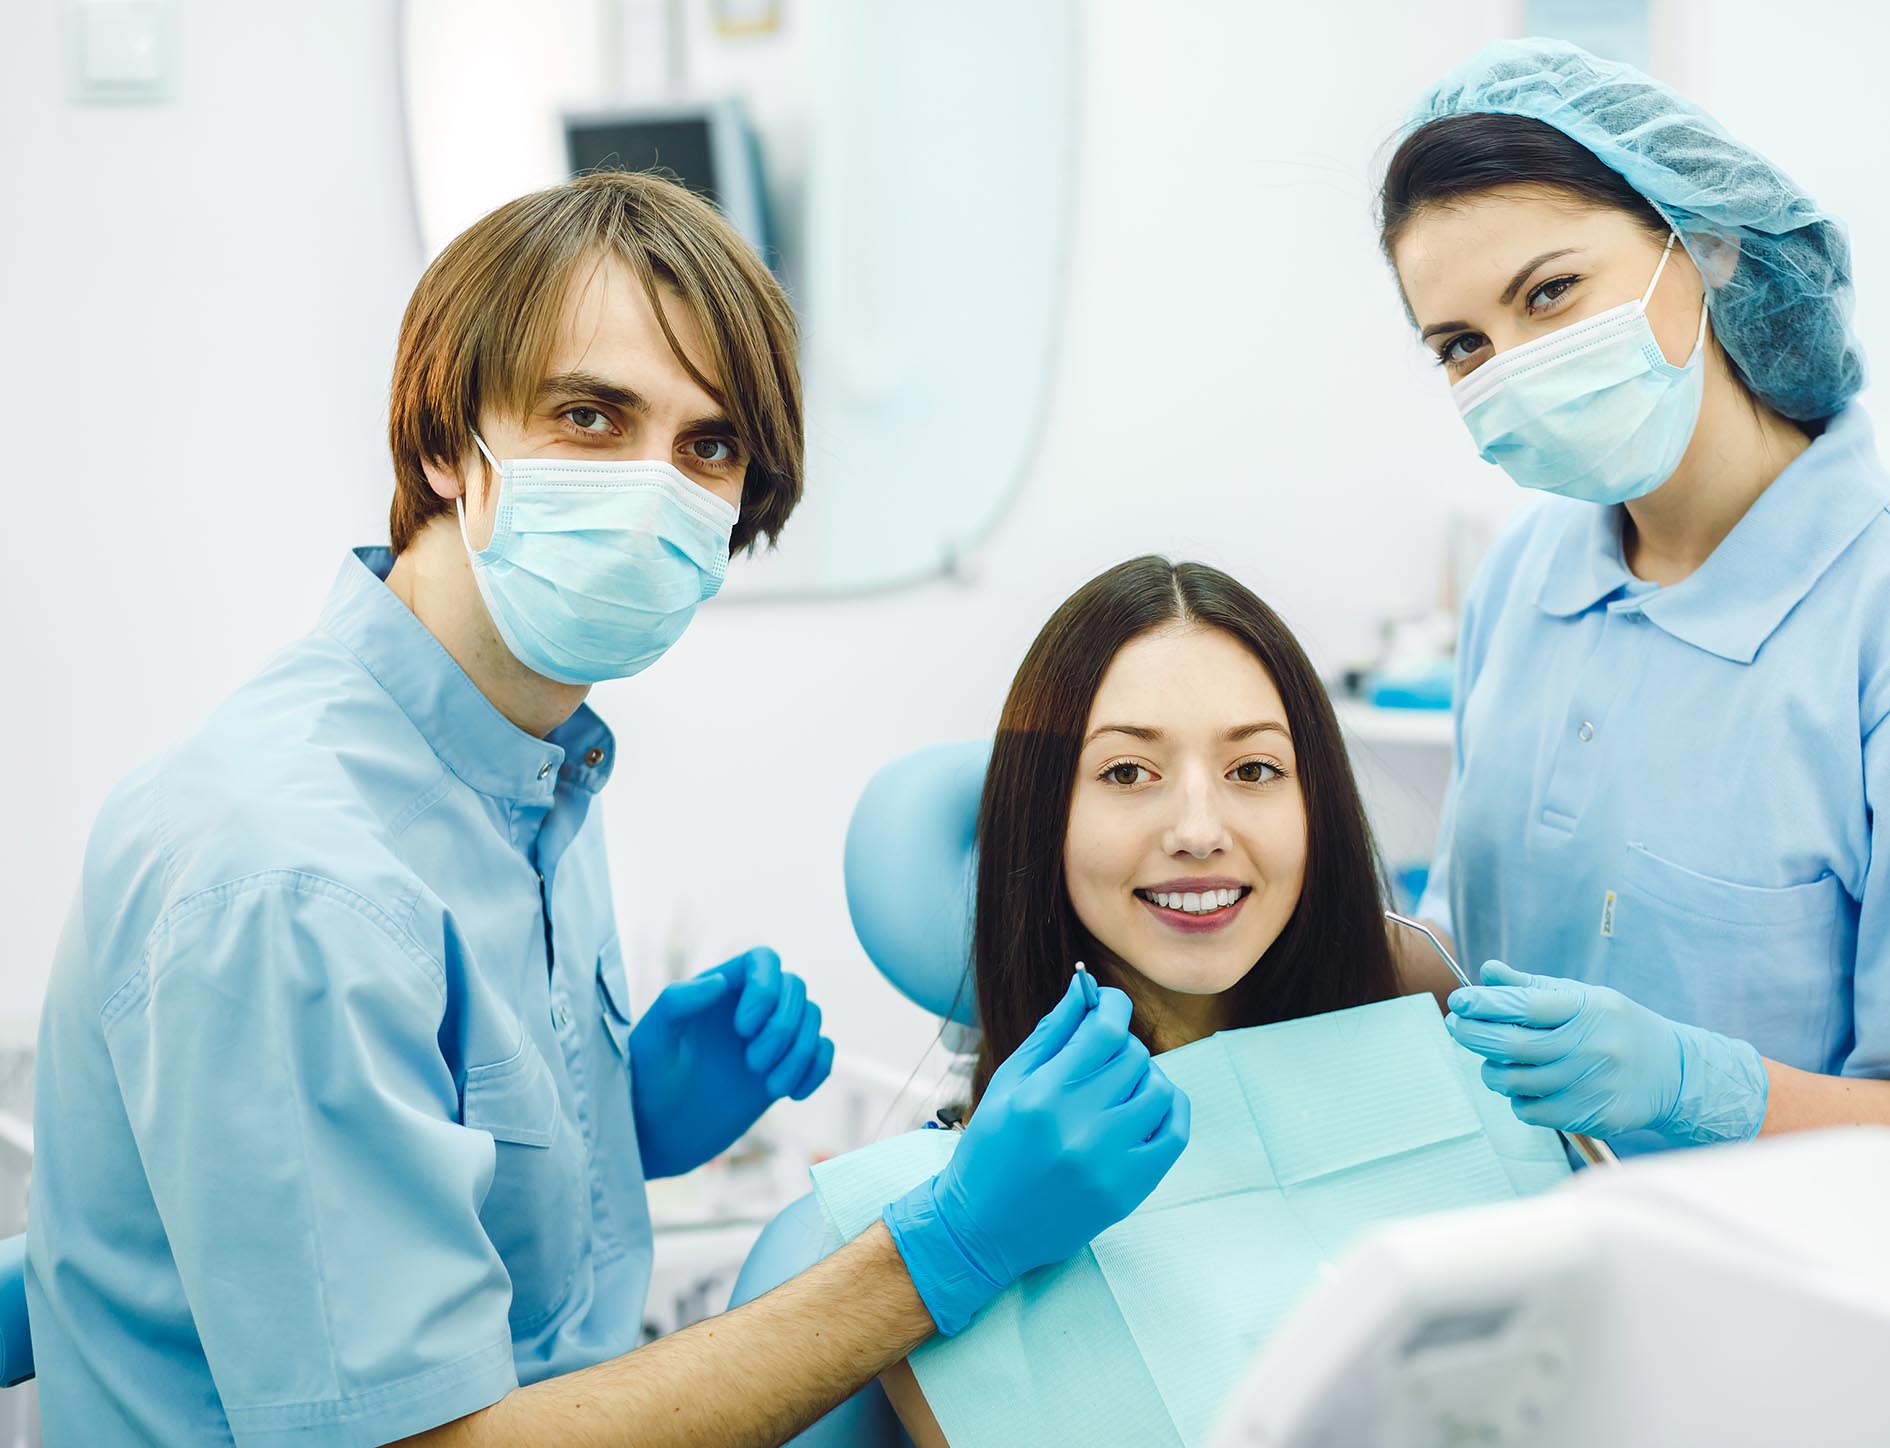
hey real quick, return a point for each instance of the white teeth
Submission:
(1193, 902)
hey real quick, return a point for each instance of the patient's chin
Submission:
(1196, 972)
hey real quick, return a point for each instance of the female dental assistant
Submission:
(1674, 672)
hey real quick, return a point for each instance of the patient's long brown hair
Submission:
(1332, 952)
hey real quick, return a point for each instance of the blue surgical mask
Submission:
(1594, 411)
(595, 568)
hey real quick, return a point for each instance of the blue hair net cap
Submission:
(1783, 311)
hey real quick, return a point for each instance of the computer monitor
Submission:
(709, 147)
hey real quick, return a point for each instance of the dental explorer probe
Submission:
(1588, 1148)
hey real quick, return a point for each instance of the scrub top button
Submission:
(563, 1017)
(1585, 733)
(593, 757)
(544, 769)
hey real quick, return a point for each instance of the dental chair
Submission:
(910, 872)
(909, 876)
(16, 1342)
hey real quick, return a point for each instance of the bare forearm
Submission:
(1801, 1101)
(752, 1378)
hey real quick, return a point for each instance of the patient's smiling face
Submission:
(1186, 847)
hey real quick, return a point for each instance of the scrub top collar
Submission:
(1732, 603)
(472, 738)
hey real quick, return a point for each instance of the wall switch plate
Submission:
(121, 50)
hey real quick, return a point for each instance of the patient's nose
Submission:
(1198, 828)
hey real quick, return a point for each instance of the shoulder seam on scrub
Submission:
(301, 882)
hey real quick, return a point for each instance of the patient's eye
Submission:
(1256, 771)
(1126, 773)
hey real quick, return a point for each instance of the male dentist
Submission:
(344, 1115)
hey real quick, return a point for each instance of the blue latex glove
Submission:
(711, 1054)
(1585, 1058)
(1074, 1131)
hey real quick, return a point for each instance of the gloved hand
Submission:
(711, 1054)
(1585, 1058)
(1074, 1130)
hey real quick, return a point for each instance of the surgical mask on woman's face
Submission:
(1594, 411)
(595, 568)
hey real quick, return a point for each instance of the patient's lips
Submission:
(1195, 904)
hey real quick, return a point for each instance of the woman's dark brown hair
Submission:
(1332, 952)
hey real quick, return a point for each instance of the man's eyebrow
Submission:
(602, 389)
(589, 384)
(1509, 292)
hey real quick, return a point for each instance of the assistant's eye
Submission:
(1125, 773)
(1256, 771)
(1461, 348)
(586, 419)
(1551, 292)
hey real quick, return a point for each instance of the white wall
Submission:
(200, 301)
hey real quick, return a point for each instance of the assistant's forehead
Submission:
(606, 326)
(1454, 255)
(1186, 679)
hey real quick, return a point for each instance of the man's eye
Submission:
(587, 419)
(712, 450)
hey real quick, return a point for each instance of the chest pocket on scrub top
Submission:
(613, 991)
(1765, 964)
(532, 1211)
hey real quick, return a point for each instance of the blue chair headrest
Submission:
(912, 869)
(16, 1339)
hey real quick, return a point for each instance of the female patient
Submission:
(1168, 801)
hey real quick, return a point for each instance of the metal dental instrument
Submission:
(1590, 1150)
(1437, 945)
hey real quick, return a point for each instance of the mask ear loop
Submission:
(459, 503)
(1646, 296)
(1699, 340)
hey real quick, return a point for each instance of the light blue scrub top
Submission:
(334, 1131)
(1679, 792)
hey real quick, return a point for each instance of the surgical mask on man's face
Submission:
(595, 568)
(1594, 411)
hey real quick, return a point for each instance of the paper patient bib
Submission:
(1305, 1134)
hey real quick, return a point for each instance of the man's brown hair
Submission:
(483, 321)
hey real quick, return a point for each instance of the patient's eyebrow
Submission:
(1264, 726)
(1150, 735)
(1134, 731)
